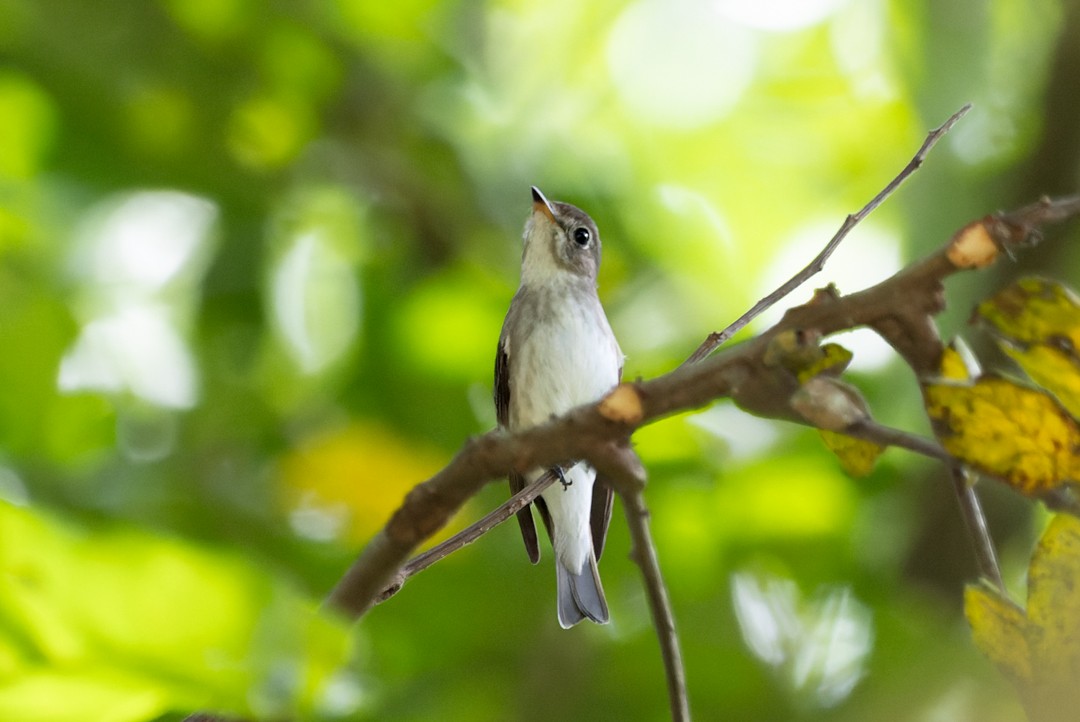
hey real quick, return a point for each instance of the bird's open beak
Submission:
(541, 204)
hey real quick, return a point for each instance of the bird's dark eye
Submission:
(582, 236)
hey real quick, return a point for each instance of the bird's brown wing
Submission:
(517, 481)
(603, 499)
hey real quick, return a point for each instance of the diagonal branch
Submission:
(975, 521)
(711, 343)
(467, 536)
(644, 555)
(717, 339)
(895, 307)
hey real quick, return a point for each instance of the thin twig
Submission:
(717, 339)
(975, 520)
(970, 508)
(644, 554)
(869, 430)
(470, 534)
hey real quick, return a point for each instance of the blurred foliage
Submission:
(1037, 323)
(1026, 436)
(1038, 648)
(254, 257)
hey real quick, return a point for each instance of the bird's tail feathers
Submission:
(580, 595)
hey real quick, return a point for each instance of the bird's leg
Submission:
(562, 477)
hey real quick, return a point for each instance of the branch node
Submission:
(974, 246)
(623, 405)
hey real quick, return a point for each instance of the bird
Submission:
(557, 351)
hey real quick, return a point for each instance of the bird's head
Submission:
(560, 239)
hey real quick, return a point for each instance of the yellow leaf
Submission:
(855, 455)
(958, 363)
(347, 482)
(1033, 310)
(1054, 596)
(799, 353)
(1037, 322)
(1053, 368)
(131, 625)
(833, 360)
(1018, 434)
(999, 629)
(807, 361)
(1038, 650)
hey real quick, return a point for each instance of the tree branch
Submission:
(644, 555)
(900, 309)
(468, 535)
(975, 521)
(715, 340)
(710, 344)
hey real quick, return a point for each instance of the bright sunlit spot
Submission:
(318, 520)
(137, 349)
(316, 302)
(703, 65)
(342, 695)
(138, 260)
(819, 646)
(779, 15)
(683, 200)
(871, 253)
(12, 489)
(746, 436)
(857, 36)
(147, 239)
(987, 134)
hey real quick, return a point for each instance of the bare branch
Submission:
(468, 535)
(393, 583)
(739, 371)
(644, 555)
(869, 430)
(715, 340)
(975, 520)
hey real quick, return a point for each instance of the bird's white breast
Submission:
(567, 357)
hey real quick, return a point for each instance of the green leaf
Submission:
(133, 626)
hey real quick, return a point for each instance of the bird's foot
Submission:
(562, 477)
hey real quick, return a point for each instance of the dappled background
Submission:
(254, 258)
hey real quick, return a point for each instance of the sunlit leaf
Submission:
(856, 455)
(27, 126)
(1033, 310)
(268, 132)
(999, 628)
(345, 484)
(131, 626)
(958, 363)
(211, 20)
(833, 360)
(463, 348)
(1016, 433)
(1037, 322)
(1037, 649)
